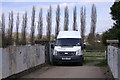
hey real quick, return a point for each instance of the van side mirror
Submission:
(83, 46)
(52, 46)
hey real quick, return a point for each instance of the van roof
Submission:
(69, 34)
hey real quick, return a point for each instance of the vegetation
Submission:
(94, 55)
(49, 23)
(32, 26)
(94, 40)
(40, 25)
(57, 29)
(66, 19)
(114, 32)
(101, 63)
(3, 30)
(91, 37)
(74, 19)
(10, 29)
(17, 28)
(83, 22)
(95, 58)
(21, 38)
(24, 26)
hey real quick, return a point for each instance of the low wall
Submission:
(16, 59)
(114, 61)
(0, 63)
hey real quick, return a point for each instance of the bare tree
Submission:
(17, 28)
(24, 26)
(93, 20)
(3, 28)
(57, 21)
(74, 19)
(32, 26)
(22, 30)
(91, 36)
(49, 22)
(83, 22)
(9, 23)
(40, 24)
(66, 19)
(10, 29)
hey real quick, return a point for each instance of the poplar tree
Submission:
(93, 22)
(24, 26)
(32, 26)
(66, 19)
(75, 19)
(10, 29)
(17, 28)
(49, 23)
(40, 25)
(57, 28)
(3, 30)
(83, 22)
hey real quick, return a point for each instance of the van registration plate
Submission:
(66, 58)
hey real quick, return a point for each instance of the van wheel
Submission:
(80, 63)
(82, 59)
(54, 63)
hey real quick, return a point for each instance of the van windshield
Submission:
(68, 42)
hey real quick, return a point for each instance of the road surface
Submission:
(85, 71)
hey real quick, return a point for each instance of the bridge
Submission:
(30, 62)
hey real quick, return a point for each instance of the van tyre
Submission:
(80, 64)
(54, 63)
(82, 59)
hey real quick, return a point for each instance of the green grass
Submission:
(88, 61)
(94, 55)
(99, 57)
(101, 64)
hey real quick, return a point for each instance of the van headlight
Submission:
(55, 52)
(78, 52)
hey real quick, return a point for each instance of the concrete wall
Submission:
(16, 59)
(0, 63)
(114, 60)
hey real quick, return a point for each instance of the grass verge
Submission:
(102, 63)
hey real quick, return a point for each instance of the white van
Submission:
(68, 47)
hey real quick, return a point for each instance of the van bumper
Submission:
(57, 59)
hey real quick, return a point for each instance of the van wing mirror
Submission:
(83, 46)
(52, 45)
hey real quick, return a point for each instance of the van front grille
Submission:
(66, 53)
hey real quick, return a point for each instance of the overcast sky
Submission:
(104, 20)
